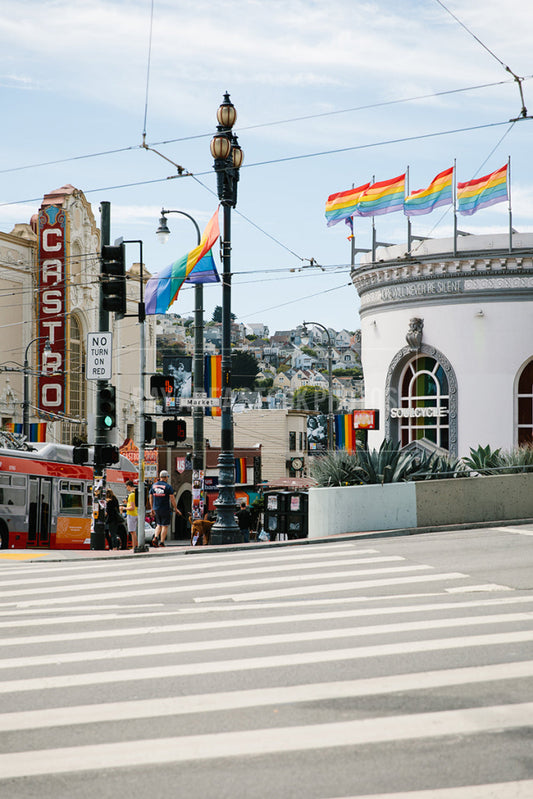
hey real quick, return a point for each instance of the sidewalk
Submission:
(184, 547)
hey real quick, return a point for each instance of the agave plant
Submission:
(439, 467)
(518, 460)
(483, 460)
(339, 468)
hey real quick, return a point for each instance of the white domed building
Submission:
(447, 342)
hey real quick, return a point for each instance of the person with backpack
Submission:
(132, 513)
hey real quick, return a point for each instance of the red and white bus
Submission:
(46, 500)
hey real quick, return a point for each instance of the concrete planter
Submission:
(428, 503)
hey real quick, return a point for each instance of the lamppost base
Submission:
(225, 536)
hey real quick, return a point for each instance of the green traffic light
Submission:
(108, 422)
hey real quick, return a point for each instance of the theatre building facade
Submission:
(447, 342)
(49, 296)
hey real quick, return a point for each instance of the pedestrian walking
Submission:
(132, 513)
(115, 528)
(162, 502)
(244, 520)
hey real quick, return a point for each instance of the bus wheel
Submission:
(4, 535)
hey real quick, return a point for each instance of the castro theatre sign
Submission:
(52, 309)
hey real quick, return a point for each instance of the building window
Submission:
(525, 405)
(292, 440)
(77, 397)
(424, 406)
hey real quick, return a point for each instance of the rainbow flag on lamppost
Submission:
(163, 288)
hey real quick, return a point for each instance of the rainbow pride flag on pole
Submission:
(439, 192)
(162, 289)
(344, 432)
(476, 194)
(384, 197)
(240, 470)
(213, 381)
(342, 205)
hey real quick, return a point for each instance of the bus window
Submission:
(12, 491)
(71, 496)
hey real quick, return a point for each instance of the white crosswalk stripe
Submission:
(261, 660)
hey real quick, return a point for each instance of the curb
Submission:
(186, 549)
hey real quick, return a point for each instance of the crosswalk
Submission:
(326, 672)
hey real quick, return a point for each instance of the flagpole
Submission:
(455, 206)
(408, 217)
(510, 209)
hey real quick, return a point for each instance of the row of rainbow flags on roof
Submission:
(388, 196)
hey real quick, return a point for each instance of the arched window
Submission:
(525, 405)
(424, 404)
(77, 398)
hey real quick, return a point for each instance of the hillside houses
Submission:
(291, 359)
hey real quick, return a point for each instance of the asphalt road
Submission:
(398, 667)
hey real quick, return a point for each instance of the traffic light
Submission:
(161, 386)
(174, 430)
(150, 430)
(107, 454)
(114, 279)
(107, 407)
(80, 455)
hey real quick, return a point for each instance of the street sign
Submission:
(199, 402)
(99, 355)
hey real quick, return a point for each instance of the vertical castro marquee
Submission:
(52, 308)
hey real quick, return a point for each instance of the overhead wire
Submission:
(288, 120)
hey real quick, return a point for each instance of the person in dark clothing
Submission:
(244, 520)
(116, 534)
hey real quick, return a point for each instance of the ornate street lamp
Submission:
(26, 391)
(162, 234)
(330, 381)
(228, 158)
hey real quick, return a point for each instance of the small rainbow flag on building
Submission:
(344, 432)
(476, 194)
(14, 427)
(162, 289)
(38, 432)
(439, 192)
(240, 470)
(342, 205)
(384, 197)
(213, 381)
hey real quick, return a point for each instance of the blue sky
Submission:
(325, 92)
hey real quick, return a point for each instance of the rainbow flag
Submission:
(439, 192)
(342, 205)
(384, 197)
(162, 289)
(38, 432)
(344, 432)
(213, 381)
(240, 470)
(476, 194)
(14, 427)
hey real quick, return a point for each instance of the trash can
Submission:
(296, 504)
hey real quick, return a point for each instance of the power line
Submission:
(366, 146)
(518, 80)
(288, 120)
